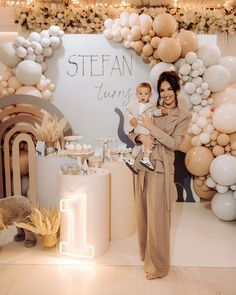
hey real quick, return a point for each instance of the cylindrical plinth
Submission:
(84, 206)
(122, 200)
(47, 179)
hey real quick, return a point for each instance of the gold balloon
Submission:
(218, 150)
(188, 41)
(203, 194)
(198, 160)
(223, 139)
(155, 42)
(169, 50)
(164, 25)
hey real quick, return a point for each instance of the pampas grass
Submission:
(44, 222)
(51, 128)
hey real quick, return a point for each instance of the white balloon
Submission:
(60, 33)
(223, 170)
(179, 63)
(34, 44)
(45, 34)
(26, 43)
(195, 66)
(195, 129)
(197, 108)
(202, 122)
(230, 63)
(199, 90)
(19, 41)
(204, 86)
(204, 138)
(8, 54)
(30, 50)
(21, 52)
(209, 54)
(204, 102)
(133, 19)
(191, 57)
(52, 87)
(28, 72)
(185, 69)
(197, 81)
(45, 42)
(108, 23)
(217, 77)
(124, 19)
(221, 188)
(125, 32)
(194, 73)
(42, 85)
(38, 49)
(55, 42)
(195, 116)
(47, 94)
(29, 90)
(206, 93)
(108, 33)
(54, 30)
(34, 36)
(209, 128)
(39, 58)
(47, 52)
(210, 182)
(224, 118)
(189, 88)
(195, 99)
(30, 57)
(224, 206)
(158, 69)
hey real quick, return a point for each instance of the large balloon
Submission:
(29, 90)
(198, 160)
(158, 69)
(164, 25)
(169, 49)
(188, 41)
(224, 118)
(217, 77)
(209, 54)
(223, 170)
(8, 54)
(224, 206)
(28, 72)
(228, 95)
(230, 63)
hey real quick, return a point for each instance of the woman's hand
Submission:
(147, 122)
(147, 140)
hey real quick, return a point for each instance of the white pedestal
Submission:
(84, 205)
(47, 180)
(122, 200)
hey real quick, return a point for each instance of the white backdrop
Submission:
(93, 76)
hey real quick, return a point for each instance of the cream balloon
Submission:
(217, 77)
(8, 54)
(28, 72)
(209, 54)
(228, 95)
(224, 206)
(224, 118)
(230, 63)
(29, 90)
(223, 170)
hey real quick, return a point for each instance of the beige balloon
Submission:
(218, 150)
(227, 95)
(155, 42)
(169, 50)
(188, 41)
(147, 49)
(198, 160)
(164, 25)
(186, 144)
(223, 139)
(138, 46)
(204, 195)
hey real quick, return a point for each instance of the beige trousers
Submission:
(153, 222)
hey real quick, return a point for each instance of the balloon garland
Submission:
(25, 60)
(208, 90)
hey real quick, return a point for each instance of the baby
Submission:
(16, 209)
(134, 111)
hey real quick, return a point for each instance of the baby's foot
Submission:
(146, 163)
(130, 164)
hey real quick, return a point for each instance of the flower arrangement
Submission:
(73, 19)
(44, 222)
(51, 129)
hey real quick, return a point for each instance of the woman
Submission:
(154, 190)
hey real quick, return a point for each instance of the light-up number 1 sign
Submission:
(74, 223)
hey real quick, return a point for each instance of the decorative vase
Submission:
(49, 241)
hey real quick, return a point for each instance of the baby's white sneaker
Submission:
(130, 164)
(146, 163)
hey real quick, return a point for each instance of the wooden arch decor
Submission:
(15, 110)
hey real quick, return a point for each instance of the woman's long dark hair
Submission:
(173, 79)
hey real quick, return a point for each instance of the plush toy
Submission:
(16, 209)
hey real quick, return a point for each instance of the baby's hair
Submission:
(144, 85)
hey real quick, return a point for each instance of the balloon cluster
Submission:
(26, 63)
(154, 40)
(211, 140)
